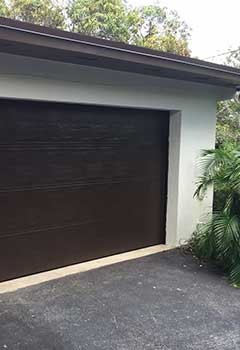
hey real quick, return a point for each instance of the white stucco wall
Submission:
(192, 121)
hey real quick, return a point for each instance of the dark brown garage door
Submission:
(78, 182)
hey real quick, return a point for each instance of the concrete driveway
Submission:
(163, 301)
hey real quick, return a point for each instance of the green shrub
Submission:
(218, 239)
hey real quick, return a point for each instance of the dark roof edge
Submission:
(229, 76)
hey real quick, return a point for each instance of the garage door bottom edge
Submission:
(23, 282)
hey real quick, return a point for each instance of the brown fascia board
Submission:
(30, 40)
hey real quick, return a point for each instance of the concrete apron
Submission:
(23, 282)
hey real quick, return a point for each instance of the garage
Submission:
(99, 146)
(79, 182)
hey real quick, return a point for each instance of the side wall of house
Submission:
(192, 121)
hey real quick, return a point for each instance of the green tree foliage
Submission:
(228, 115)
(228, 123)
(234, 59)
(108, 19)
(42, 12)
(219, 238)
(150, 26)
(3, 9)
(163, 29)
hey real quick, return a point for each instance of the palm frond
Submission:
(211, 165)
(218, 238)
(235, 275)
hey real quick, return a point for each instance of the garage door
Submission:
(78, 182)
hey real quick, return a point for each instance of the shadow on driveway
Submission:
(163, 301)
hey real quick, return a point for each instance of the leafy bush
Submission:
(218, 239)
